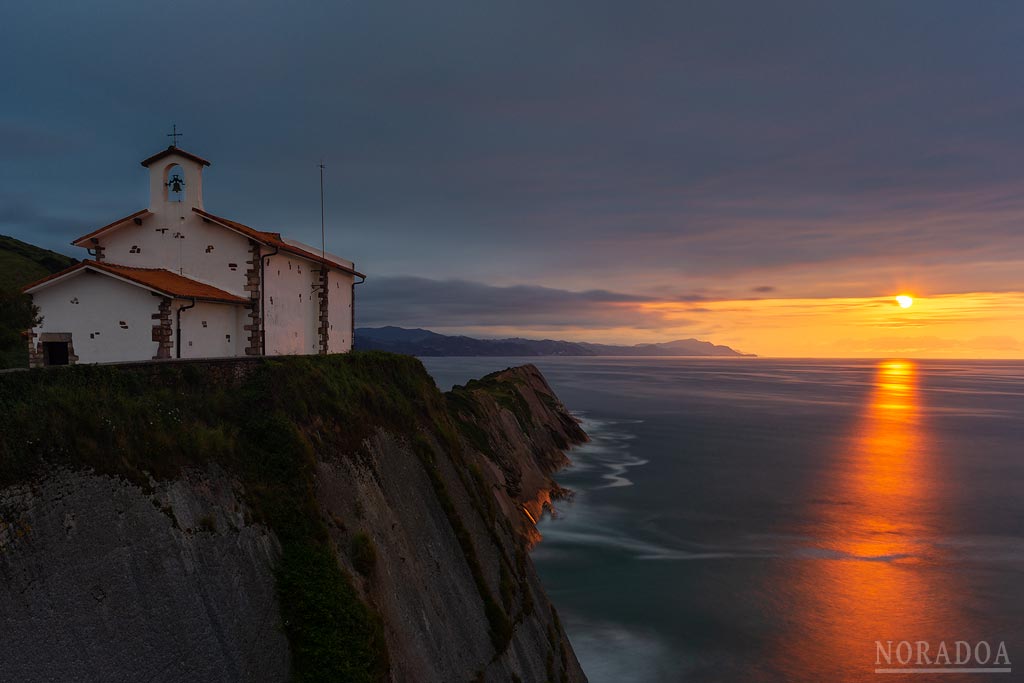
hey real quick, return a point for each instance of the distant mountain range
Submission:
(417, 342)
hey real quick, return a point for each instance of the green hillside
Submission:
(22, 263)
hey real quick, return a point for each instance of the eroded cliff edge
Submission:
(329, 518)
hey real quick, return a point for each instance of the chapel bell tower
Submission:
(175, 178)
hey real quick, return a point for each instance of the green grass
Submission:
(22, 263)
(503, 391)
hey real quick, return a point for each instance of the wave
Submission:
(640, 549)
(607, 452)
(616, 478)
(592, 529)
(613, 653)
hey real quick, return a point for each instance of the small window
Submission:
(271, 301)
(233, 266)
(190, 343)
(209, 248)
(228, 337)
(75, 300)
(135, 249)
(123, 324)
(204, 323)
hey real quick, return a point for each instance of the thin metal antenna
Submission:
(323, 233)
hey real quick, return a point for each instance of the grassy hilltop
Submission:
(20, 264)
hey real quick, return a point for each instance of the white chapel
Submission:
(175, 281)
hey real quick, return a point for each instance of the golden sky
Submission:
(974, 325)
(968, 325)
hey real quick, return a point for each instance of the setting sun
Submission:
(905, 301)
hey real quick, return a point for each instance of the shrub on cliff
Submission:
(364, 554)
(17, 314)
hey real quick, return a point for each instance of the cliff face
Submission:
(494, 414)
(512, 430)
(332, 518)
(101, 580)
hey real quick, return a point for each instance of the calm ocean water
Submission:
(770, 520)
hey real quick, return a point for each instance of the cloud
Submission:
(24, 140)
(448, 304)
(587, 144)
(762, 289)
(24, 220)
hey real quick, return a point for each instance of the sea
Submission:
(748, 519)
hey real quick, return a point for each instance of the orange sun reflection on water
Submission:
(871, 574)
(883, 477)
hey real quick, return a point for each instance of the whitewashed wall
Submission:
(94, 322)
(176, 239)
(339, 311)
(159, 173)
(205, 252)
(222, 335)
(292, 310)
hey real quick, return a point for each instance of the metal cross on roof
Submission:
(174, 135)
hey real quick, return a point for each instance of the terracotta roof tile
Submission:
(138, 215)
(274, 239)
(175, 150)
(158, 279)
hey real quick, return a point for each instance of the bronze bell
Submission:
(176, 183)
